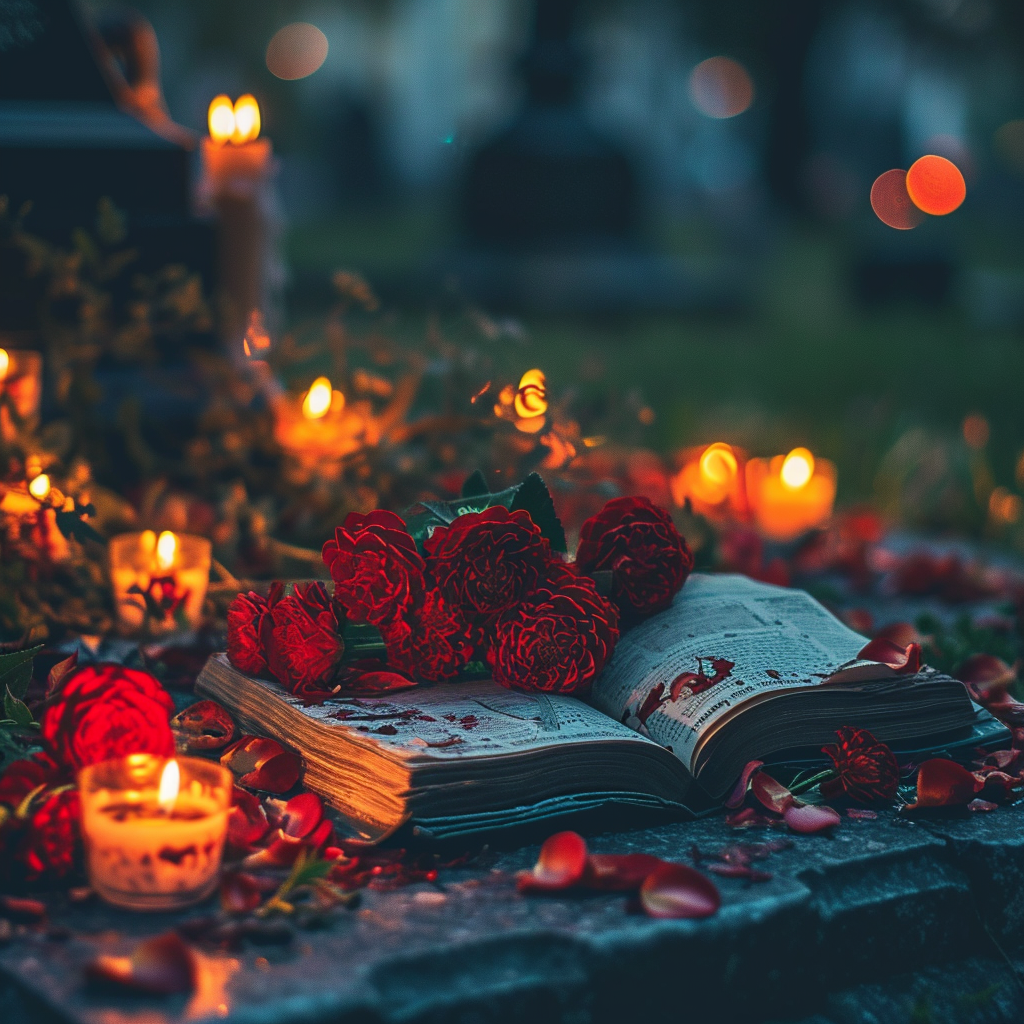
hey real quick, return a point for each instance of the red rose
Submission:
(21, 777)
(301, 640)
(639, 543)
(245, 619)
(557, 639)
(376, 569)
(52, 837)
(867, 768)
(105, 711)
(485, 561)
(432, 642)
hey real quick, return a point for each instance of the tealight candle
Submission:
(154, 829)
(21, 388)
(790, 494)
(712, 480)
(159, 583)
(319, 429)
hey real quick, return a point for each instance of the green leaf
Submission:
(16, 670)
(71, 524)
(17, 710)
(532, 495)
(475, 483)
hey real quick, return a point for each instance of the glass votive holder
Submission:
(159, 583)
(154, 829)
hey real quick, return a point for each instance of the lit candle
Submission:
(238, 168)
(319, 429)
(159, 583)
(21, 388)
(712, 480)
(154, 829)
(790, 494)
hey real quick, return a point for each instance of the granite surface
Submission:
(885, 920)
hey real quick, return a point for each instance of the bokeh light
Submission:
(976, 431)
(936, 185)
(247, 119)
(532, 396)
(166, 550)
(721, 87)
(892, 203)
(1004, 506)
(296, 51)
(718, 465)
(317, 402)
(797, 469)
(221, 118)
(40, 487)
(5, 363)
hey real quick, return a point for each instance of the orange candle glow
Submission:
(790, 494)
(712, 480)
(21, 389)
(154, 829)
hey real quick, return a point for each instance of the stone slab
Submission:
(877, 900)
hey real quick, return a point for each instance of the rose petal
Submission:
(369, 684)
(861, 813)
(277, 775)
(281, 853)
(301, 815)
(203, 726)
(810, 818)
(770, 793)
(560, 865)
(902, 660)
(944, 783)
(902, 634)
(161, 966)
(249, 752)
(323, 833)
(678, 891)
(247, 821)
(615, 872)
(986, 673)
(982, 805)
(240, 893)
(737, 796)
(739, 871)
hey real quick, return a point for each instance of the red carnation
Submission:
(867, 768)
(377, 571)
(245, 621)
(19, 778)
(432, 642)
(639, 543)
(105, 711)
(301, 640)
(51, 839)
(485, 561)
(557, 639)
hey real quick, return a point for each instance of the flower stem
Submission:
(802, 787)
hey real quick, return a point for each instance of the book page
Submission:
(458, 720)
(725, 641)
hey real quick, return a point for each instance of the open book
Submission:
(734, 670)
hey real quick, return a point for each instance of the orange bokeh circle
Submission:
(936, 185)
(892, 203)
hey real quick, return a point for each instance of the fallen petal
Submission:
(944, 783)
(249, 752)
(160, 966)
(247, 822)
(239, 893)
(561, 864)
(301, 815)
(810, 818)
(678, 891)
(902, 660)
(861, 813)
(986, 673)
(739, 792)
(281, 853)
(982, 805)
(739, 871)
(369, 684)
(902, 634)
(615, 872)
(276, 775)
(770, 793)
(203, 726)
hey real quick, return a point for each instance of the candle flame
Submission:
(718, 464)
(317, 402)
(5, 362)
(247, 119)
(166, 549)
(221, 119)
(40, 486)
(532, 396)
(170, 781)
(797, 469)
